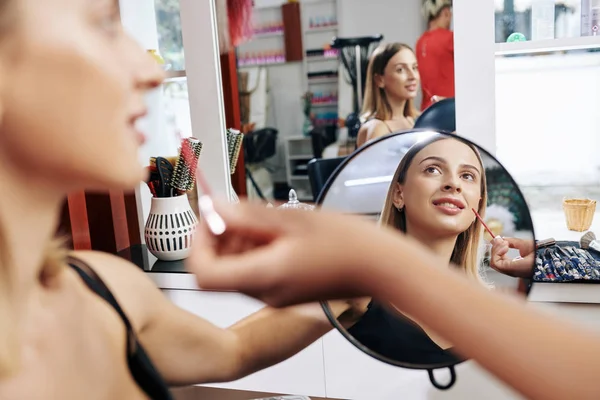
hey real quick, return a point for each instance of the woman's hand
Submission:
(518, 268)
(285, 257)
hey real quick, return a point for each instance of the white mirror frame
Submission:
(205, 91)
(475, 72)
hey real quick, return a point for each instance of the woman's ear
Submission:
(379, 81)
(398, 196)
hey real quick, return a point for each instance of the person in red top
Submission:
(435, 53)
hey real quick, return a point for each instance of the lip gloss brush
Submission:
(484, 225)
(215, 223)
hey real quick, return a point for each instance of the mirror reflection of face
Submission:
(401, 77)
(443, 183)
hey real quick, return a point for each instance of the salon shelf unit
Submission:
(299, 148)
(299, 152)
(547, 46)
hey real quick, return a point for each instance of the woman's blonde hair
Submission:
(375, 103)
(466, 249)
(9, 328)
(9, 334)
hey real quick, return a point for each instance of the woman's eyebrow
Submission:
(442, 160)
(434, 158)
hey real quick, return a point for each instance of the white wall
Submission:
(397, 21)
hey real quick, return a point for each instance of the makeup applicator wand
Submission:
(490, 231)
(485, 226)
(588, 241)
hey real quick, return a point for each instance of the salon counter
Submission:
(331, 367)
(203, 393)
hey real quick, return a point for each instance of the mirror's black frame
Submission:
(324, 305)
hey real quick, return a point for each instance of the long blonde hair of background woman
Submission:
(466, 249)
(375, 103)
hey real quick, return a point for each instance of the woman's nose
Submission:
(452, 185)
(149, 73)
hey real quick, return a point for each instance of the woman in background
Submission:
(391, 87)
(435, 53)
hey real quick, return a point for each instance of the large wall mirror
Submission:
(430, 185)
(298, 76)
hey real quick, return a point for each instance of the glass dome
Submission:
(295, 203)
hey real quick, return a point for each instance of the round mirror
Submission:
(456, 199)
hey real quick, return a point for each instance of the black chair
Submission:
(319, 171)
(259, 145)
(322, 137)
(439, 116)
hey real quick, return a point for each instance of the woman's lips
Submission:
(448, 208)
(138, 132)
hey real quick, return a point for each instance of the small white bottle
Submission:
(586, 18)
(542, 19)
(595, 18)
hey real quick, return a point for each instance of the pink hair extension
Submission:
(240, 21)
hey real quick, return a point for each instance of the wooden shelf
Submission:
(325, 105)
(545, 46)
(318, 81)
(320, 58)
(267, 35)
(330, 28)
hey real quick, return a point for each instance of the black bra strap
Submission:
(96, 284)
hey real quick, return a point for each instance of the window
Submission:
(170, 39)
(170, 43)
(516, 16)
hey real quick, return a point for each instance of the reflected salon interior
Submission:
(456, 124)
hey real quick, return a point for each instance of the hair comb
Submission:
(184, 173)
(234, 145)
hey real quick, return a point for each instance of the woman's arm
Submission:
(188, 349)
(348, 256)
(522, 346)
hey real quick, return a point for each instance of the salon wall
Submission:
(397, 21)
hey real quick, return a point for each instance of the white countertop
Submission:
(552, 224)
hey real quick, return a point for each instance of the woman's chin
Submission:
(450, 228)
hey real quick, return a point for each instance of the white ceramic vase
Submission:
(170, 228)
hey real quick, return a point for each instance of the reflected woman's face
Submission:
(442, 184)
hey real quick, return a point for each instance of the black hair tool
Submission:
(165, 171)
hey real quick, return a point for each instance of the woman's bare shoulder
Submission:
(134, 291)
(372, 129)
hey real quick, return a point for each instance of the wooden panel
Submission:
(103, 222)
(292, 31)
(102, 227)
(119, 218)
(231, 99)
(133, 222)
(75, 222)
